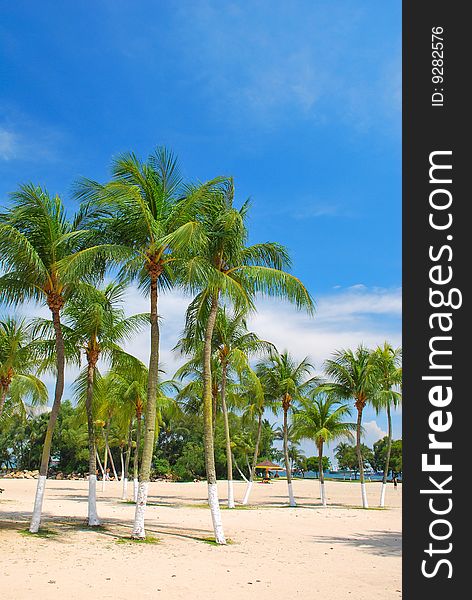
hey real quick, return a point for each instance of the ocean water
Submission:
(341, 475)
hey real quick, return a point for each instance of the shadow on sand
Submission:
(380, 543)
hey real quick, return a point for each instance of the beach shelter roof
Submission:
(269, 466)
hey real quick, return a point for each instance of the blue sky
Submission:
(300, 102)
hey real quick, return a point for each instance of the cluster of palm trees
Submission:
(147, 226)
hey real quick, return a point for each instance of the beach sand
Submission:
(337, 553)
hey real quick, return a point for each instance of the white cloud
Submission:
(343, 319)
(8, 144)
(372, 433)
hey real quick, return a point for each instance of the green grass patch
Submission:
(42, 533)
(211, 541)
(147, 540)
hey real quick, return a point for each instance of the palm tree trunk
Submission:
(124, 494)
(93, 519)
(321, 473)
(287, 460)
(360, 408)
(136, 457)
(238, 469)
(229, 457)
(105, 463)
(387, 460)
(59, 389)
(252, 470)
(112, 462)
(3, 398)
(150, 416)
(208, 427)
(100, 465)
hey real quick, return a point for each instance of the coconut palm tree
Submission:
(352, 376)
(44, 258)
(286, 381)
(255, 401)
(233, 272)
(232, 345)
(321, 418)
(388, 372)
(145, 209)
(18, 366)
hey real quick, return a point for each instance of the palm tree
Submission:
(388, 372)
(321, 419)
(44, 258)
(130, 377)
(97, 323)
(18, 366)
(352, 377)
(232, 346)
(234, 272)
(286, 382)
(255, 402)
(143, 209)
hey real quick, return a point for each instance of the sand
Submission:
(336, 553)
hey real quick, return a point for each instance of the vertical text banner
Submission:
(437, 330)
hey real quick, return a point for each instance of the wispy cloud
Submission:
(8, 144)
(24, 139)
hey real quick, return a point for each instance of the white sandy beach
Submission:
(276, 552)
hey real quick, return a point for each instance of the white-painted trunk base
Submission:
(291, 497)
(382, 495)
(138, 529)
(103, 483)
(230, 494)
(135, 490)
(248, 492)
(216, 513)
(38, 504)
(365, 503)
(93, 519)
(323, 494)
(124, 494)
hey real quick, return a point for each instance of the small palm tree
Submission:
(352, 376)
(230, 270)
(321, 419)
(18, 366)
(388, 371)
(44, 258)
(96, 321)
(286, 381)
(232, 346)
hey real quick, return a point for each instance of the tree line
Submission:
(147, 226)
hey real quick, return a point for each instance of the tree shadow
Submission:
(380, 543)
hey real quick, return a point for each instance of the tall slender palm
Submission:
(234, 272)
(18, 366)
(352, 376)
(145, 209)
(44, 258)
(321, 418)
(388, 372)
(130, 378)
(286, 381)
(96, 321)
(254, 401)
(232, 345)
